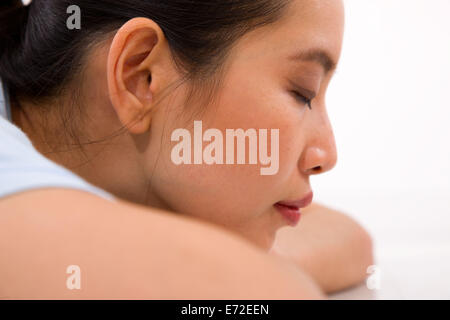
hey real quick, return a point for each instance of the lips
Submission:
(290, 210)
(300, 203)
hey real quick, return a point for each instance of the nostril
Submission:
(317, 169)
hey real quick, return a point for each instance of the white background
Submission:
(390, 108)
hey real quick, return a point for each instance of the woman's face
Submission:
(264, 71)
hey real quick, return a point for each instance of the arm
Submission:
(329, 245)
(130, 252)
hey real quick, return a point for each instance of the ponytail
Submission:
(13, 19)
(13, 16)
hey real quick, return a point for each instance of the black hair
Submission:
(39, 54)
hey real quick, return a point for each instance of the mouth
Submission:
(290, 210)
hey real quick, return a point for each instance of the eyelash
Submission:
(303, 99)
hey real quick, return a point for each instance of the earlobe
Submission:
(134, 54)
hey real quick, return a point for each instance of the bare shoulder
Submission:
(125, 251)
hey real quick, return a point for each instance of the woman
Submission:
(104, 101)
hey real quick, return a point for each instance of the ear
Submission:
(135, 62)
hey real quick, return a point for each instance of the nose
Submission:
(320, 154)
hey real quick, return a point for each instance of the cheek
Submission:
(230, 195)
(270, 108)
(225, 194)
(291, 142)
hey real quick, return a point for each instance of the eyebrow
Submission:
(317, 55)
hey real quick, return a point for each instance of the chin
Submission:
(264, 241)
(267, 244)
(262, 231)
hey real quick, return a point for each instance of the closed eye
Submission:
(302, 99)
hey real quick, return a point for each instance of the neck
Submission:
(110, 163)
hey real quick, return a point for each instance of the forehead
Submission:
(306, 25)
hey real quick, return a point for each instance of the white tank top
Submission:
(23, 168)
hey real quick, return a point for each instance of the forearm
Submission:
(330, 246)
(130, 252)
